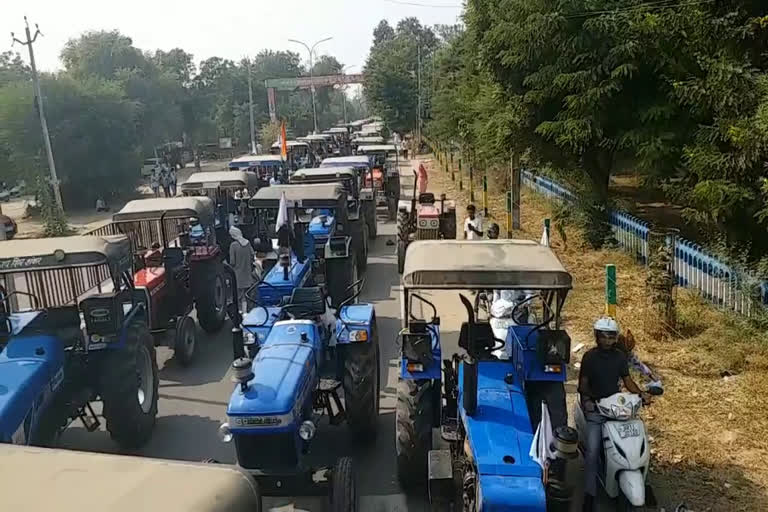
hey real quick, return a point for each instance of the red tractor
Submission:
(179, 265)
(423, 218)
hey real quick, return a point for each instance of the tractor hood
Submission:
(284, 373)
(30, 369)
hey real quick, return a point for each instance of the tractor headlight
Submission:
(224, 433)
(307, 430)
(358, 335)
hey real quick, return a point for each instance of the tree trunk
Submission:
(660, 281)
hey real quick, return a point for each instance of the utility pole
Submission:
(250, 109)
(39, 97)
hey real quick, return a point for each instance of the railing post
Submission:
(471, 184)
(461, 177)
(509, 214)
(485, 195)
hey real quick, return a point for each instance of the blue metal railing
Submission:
(717, 282)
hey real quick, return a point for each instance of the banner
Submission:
(272, 104)
(283, 142)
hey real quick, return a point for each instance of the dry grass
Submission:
(709, 433)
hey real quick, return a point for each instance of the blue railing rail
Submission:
(717, 282)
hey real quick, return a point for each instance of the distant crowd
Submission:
(163, 178)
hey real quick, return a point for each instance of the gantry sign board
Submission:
(304, 82)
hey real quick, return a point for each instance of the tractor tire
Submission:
(551, 392)
(370, 219)
(391, 208)
(361, 248)
(413, 430)
(211, 299)
(343, 496)
(403, 221)
(448, 226)
(401, 247)
(128, 381)
(185, 341)
(361, 387)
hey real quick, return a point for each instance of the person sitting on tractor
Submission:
(602, 367)
(473, 225)
(196, 232)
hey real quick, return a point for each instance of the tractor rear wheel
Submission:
(551, 392)
(448, 225)
(340, 274)
(361, 386)
(370, 219)
(403, 227)
(413, 429)
(361, 251)
(211, 299)
(128, 380)
(343, 496)
(391, 208)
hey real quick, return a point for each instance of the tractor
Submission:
(265, 167)
(466, 426)
(230, 191)
(312, 352)
(423, 218)
(362, 165)
(361, 212)
(318, 228)
(180, 273)
(385, 175)
(74, 330)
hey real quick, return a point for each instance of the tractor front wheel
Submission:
(128, 381)
(185, 341)
(343, 497)
(361, 386)
(413, 429)
(211, 297)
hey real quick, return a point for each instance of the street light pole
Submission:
(418, 115)
(250, 109)
(311, 52)
(39, 96)
(344, 92)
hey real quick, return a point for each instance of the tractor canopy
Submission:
(251, 161)
(316, 195)
(220, 180)
(369, 141)
(169, 208)
(482, 265)
(120, 483)
(65, 252)
(346, 176)
(346, 161)
(378, 149)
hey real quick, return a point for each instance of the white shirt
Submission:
(477, 222)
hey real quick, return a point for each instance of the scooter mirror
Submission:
(655, 390)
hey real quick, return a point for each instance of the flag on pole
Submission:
(282, 212)
(283, 142)
(541, 446)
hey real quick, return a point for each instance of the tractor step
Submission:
(88, 417)
(327, 399)
(449, 429)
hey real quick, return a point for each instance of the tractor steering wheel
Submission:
(520, 304)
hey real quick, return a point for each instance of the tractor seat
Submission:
(311, 298)
(482, 336)
(427, 198)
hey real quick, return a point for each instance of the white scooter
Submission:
(626, 452)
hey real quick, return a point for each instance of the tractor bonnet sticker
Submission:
(20, 262)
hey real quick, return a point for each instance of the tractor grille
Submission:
(427, 234)
(266, 451)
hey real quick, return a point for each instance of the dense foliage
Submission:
(674, 91)
(114, 103)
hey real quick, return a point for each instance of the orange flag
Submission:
(283, 142)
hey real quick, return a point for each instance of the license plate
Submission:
(628, 430)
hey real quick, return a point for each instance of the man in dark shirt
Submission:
(601, 369)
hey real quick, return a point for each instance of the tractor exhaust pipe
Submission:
(469, 379)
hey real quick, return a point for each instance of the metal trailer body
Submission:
(483, 422)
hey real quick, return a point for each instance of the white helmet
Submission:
(606, 324)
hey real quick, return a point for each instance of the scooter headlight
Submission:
(224, 433)
(621, 412)
(307, 430)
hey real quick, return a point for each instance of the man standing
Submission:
(473, 225)
(602, 368)
(241, 259)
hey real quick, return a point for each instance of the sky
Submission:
(231, 29)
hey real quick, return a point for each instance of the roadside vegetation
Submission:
(113, 103)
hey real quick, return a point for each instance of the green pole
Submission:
(610, 290)
(461, 177)
(509, 214)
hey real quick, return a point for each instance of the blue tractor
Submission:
(466, 426)
(73, 331)
(316, 246)
(311, 351)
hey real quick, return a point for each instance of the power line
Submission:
(658, 5)
(417, 4)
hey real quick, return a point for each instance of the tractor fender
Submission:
(352, 318)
